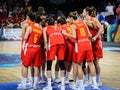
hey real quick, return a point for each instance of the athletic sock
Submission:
(94, 80)
(98, 78)
(36, 80)
(49, 81)
(62, 80)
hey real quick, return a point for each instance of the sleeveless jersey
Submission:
(66, 27)
(84, 43)
(55, 36)
(30, 23)
(35, 36)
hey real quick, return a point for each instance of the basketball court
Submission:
(10, 67)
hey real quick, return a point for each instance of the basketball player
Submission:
(69, 42)
(55, 46)
(81, 34)
(96, 30)
(24, 63)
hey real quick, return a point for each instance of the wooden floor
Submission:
(110, 65)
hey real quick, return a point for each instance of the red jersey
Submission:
(35, 36)
(66, 27)
(30, 23)
(55, 36)
(84, 43)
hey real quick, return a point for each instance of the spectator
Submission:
(118, 14)
(110, 12)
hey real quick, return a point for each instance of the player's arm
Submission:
(89, 23)
(45, 38)
(90, 35)
(23, 26)
(73, 29)
(28, 31)
(98, 25)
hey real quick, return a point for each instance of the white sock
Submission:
(56, 74)
(98, 78)
(86, 77)
(24, 81)
(42, 74)
(62, 80)
(36, 80)
(49, 81)
(67, 74)
(81, 83)
(31, 79)
(94, 80)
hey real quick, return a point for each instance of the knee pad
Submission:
(61, 65)
(49, 64)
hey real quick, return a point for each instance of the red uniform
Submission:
(56, 43)
(83, 46)
(34, 52)
(97, 45)
(22, 50)
(70, 46)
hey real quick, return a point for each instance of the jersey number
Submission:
(82, 32)
(69, 30)
(35, 38)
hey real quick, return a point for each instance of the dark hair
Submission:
(91, 11)
(74, 15)
(50, 20)
(37, 18)
(62, 20)
(31, 15)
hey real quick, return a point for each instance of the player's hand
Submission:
(94, 39)
(23, 45)
(46, 48)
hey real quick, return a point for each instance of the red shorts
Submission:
(84, 55)
(69, 52)
(33, 57)
(56, 50)
(97, 49)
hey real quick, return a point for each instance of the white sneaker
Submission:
(35, 88)
(99, 84)
(80, 88)
(57, 80)
(47, 88)
(29, 83)
(41, 82)
(21, 87)
(67, 81)
(95, 87)
(87, 83)
(72, 86)
(62, 87)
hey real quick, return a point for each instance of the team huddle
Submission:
(74, 42)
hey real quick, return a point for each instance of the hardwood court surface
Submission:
(110, 65)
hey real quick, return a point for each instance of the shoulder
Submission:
(73, 26)
(95, 20)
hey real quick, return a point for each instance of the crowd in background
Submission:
(12, 12)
